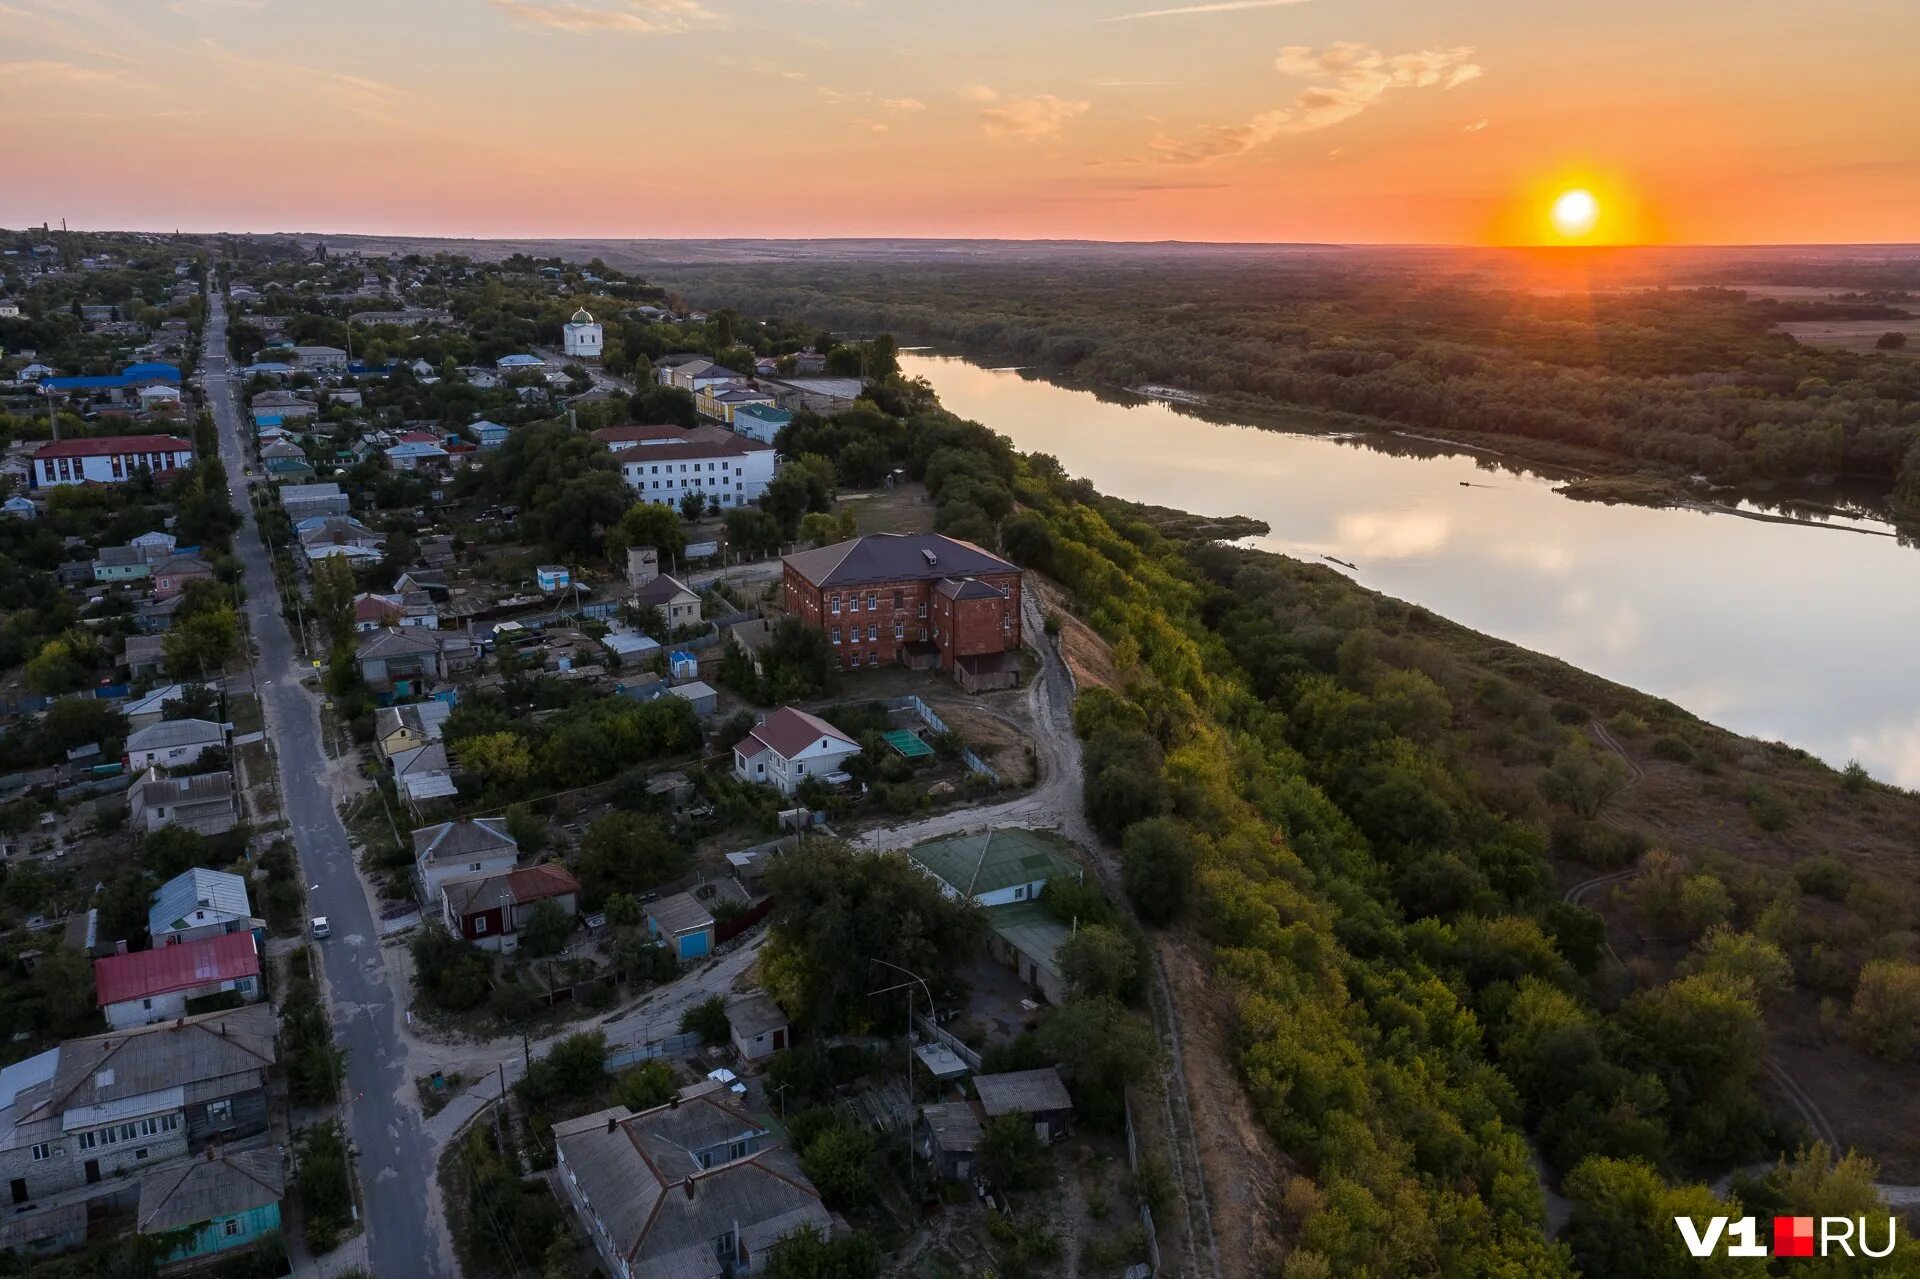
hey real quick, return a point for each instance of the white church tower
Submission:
(583, 336)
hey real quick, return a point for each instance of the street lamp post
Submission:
(908, 987)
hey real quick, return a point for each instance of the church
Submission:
(583, 336)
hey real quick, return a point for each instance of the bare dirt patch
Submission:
(1245, 1171)
(903, 508)
(1007, 749)
(1854, 335)
(1089, 657)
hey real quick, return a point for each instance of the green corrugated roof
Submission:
(987, 861)
(1029, 929)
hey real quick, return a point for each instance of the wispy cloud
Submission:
(1348, 78)
(631, 17)
(977, 93)
(359, 95)
(55, 71)
(1038, 116)
(1220, 6)
(1134, 84)
(48, 30)
(1476, 126)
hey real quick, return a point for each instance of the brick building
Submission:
(920, 599)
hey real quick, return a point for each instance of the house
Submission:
(697, 374)
(751, 638)
(345, 397)
(281, 448)
(552, 578)
(145, 656)
(320, 358)
(721, 402)
(760, 421)
(490, 912)
(519, 363)
(294, 470)
(703, 697)
(423, 773)
(397, 656)
(823, 395)
(694, 1189)
(109, 459)
(415, 455)
(21, 508)
(409, 727)
(993, 867)
(200, 903)
(225, 1203)
(666, 463)
(789, 746)
(409, 608)
(173, 743)
(147, 986)
(205, 802)
(465, 848)
(581, 336)
(85, 1113)
(171, 575)
(324, 536)
(1037, 1094)
(921, 599)
(952, 1143)
(682, 924)
(489, 435)
(121, 564)
(678, 604)
(756, 1027)
(306, 501)
(271, 408)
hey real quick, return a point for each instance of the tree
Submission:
(333, 592)
(57, 668)
(1157, 860)
(692, 505)
(528, 828)
(1011, 1153)
(646, 524)
(751, 531)
(498, 759)
(1582, 780)
(1891, 341)
(1753, 962)
(546, 930)
(840, 1162)
(203, 642)
(1097, 960)
(172, 849)
(820, 527)
(647, 1085)
(1886, 1008)
(1701, 1035)
(573, 1067)
(1623, 1224)
(1103, 1047)
(707, 1019)
(627, 853)
(807, 1254)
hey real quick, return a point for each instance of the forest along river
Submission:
(1806, 634)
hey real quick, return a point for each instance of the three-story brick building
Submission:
(920, 599)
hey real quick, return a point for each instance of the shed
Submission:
(757, 1027)
(1038, 1094)
(682, 924)
(952, 1140)
(704, 697)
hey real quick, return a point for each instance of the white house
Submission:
(789, 746)
(200, 903)
(148, 986)
(466, 848)
(582, 336)
(665, 463)
(109, 459)
(172, 743)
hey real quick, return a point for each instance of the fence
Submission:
(671, 1046)
(933, 1030)
(1146, 1213)
(729, 929)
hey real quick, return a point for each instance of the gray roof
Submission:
(1031, 1092)
(890, 557)
(217, 1186)
(662, 1209)
(430, 758)
(169, 733)
(662, 590)
(955, 1128)
(679, 913)
(967, 588)
(119, 556)
(143, 649)
(755, 1016)
(228, 1050)
(309, 492)
(463, 838)
(400, 641)
(218, 892)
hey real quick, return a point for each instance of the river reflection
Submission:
(1807, 634)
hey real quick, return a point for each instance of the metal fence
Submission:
(672, 1046)
(913, 703)
(1146, 1213)
(934, 1031)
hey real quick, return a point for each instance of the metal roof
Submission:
(218, 893)
(145, 973)
(988, 861)
(217, 1186)
(169, 733)
(1031, 1092)
(892, 557)
(755, 1016)
(679, 913)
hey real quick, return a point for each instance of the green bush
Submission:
(1675, 749)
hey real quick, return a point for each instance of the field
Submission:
(1858, 336)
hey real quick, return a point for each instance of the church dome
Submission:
(582, 316)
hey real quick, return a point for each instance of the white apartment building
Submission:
(665, 463)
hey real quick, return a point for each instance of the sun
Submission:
(1575, 213)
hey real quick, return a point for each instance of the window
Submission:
(474, 866)
(899, 630)
(479, 923)
(873, 602)
(220, 1112)
(853, 603)
(87, 1140)
(1020, 893)
(836, 634)
(923, 608)
(738, 1150)
(873, 658)
(833, 603)
(899, 599)
(873, 631)
(230, 1227)
(43, 1151)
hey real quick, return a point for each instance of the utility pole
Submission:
(908, 987)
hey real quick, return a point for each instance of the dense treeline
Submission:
(1684, 381)
(1285, 767)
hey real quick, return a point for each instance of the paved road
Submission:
(396, 1159)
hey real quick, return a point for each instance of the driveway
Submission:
(406, 1234)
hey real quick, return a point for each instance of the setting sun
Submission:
(1575, 213)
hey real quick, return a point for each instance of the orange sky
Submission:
(1333, 120)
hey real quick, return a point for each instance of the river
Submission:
(1804, 633)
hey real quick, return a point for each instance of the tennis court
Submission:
(908, 743)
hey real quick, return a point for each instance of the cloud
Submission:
(207, 8)
(1039, 116)
(51, 31)
(1476, 126)
(1220, 6)
(359, 95)
(632, 17)
(977, 93)
(1348, 78)
(1135, 84)
(903, 104)
(56, 71)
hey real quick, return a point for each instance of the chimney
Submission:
(673, 1102)
(612, 1123)
(689, 1187)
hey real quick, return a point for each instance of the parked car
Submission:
(321, 928)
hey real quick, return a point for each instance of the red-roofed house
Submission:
(161, 985)
(109, 459)
(490, 912)
(789, 746)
